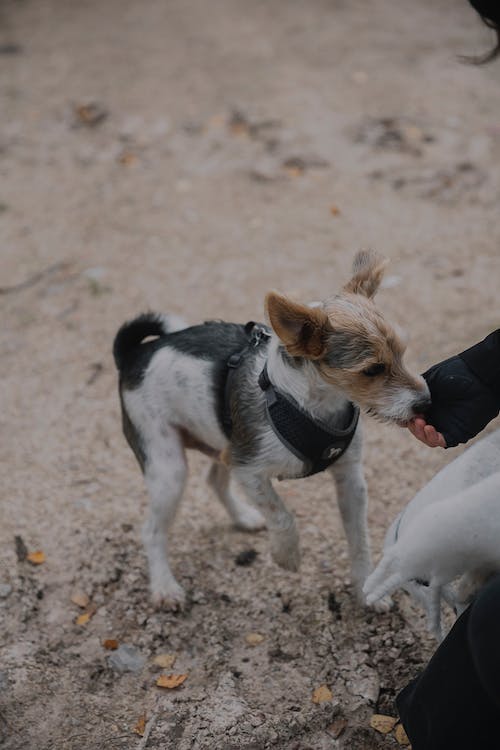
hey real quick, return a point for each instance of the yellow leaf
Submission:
(140, 725)
(383, 724)
(80, 599)
(83, 619)
(322, 694)
(36, 558)
(171, 681)
(253, 639)
(127, 158)
(165, 661)
(111, 644)
(401, 735)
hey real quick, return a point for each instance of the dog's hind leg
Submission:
(280, 522)
(165, 472)
(434, 611)
(243, 515)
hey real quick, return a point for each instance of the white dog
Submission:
(451, 528)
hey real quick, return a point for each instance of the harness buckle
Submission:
(258, 334)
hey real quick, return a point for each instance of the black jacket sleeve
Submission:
(483, 360)
(465, 391)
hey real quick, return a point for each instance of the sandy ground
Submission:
(188, 157)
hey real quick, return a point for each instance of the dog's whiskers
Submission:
(383, 419)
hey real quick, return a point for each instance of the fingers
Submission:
(426, 433)
(416, 427)
(435, 439)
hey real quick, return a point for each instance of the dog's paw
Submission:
(285, 549)
(170, 597)
(382, 605)
(249, 519)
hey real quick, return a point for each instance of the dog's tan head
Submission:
(353, 346)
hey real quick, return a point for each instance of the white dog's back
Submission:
(446, 530)
(475, 464)
(458, 534)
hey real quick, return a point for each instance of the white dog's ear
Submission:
(368, 269)
(301, 328)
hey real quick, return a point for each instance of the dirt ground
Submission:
(188, 157)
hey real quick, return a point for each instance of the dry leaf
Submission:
(36, 558)
(91, 114)
(83, 619)
(294, 171)
(253, 639)
(140, 726)
(127, 158)
(238, 124)
(111, 644)
(322, 694)
(383, 724)
(217, 121)
(80, 599)
(337, 727)
(171, 681)
(334, 210)
(165, 661)
(401, 735)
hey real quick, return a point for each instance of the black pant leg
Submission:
(452, 705)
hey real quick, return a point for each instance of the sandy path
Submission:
(231, 130)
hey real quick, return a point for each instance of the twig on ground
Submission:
(147, 731)
(34, 279)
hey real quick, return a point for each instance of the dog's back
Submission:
(475, 464)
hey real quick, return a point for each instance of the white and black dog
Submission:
(263, 403)
(450, 530)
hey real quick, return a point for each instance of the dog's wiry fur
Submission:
(324, 356)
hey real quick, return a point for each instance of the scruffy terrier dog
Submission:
(263, 402)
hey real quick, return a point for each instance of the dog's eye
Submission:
(373, 370)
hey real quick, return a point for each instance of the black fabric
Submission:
(315, 444)
(488, 9)
(484, 361)
(455, 703)
(462, 404)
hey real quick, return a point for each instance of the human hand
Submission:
(426, 433)
(462, 405)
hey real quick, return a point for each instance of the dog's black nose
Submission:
(422, 406)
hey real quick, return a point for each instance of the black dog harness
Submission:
(313, 442)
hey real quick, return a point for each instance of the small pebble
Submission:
(126, 659)
(5, 590)
(246, 557)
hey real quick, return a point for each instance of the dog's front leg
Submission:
(280, 522)
(352, 499)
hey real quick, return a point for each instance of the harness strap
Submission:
(256, 333)
(315, 443)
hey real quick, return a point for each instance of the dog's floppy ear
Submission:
(368, 269)
(302, 329)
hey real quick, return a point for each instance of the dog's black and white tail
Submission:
(132, 334)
